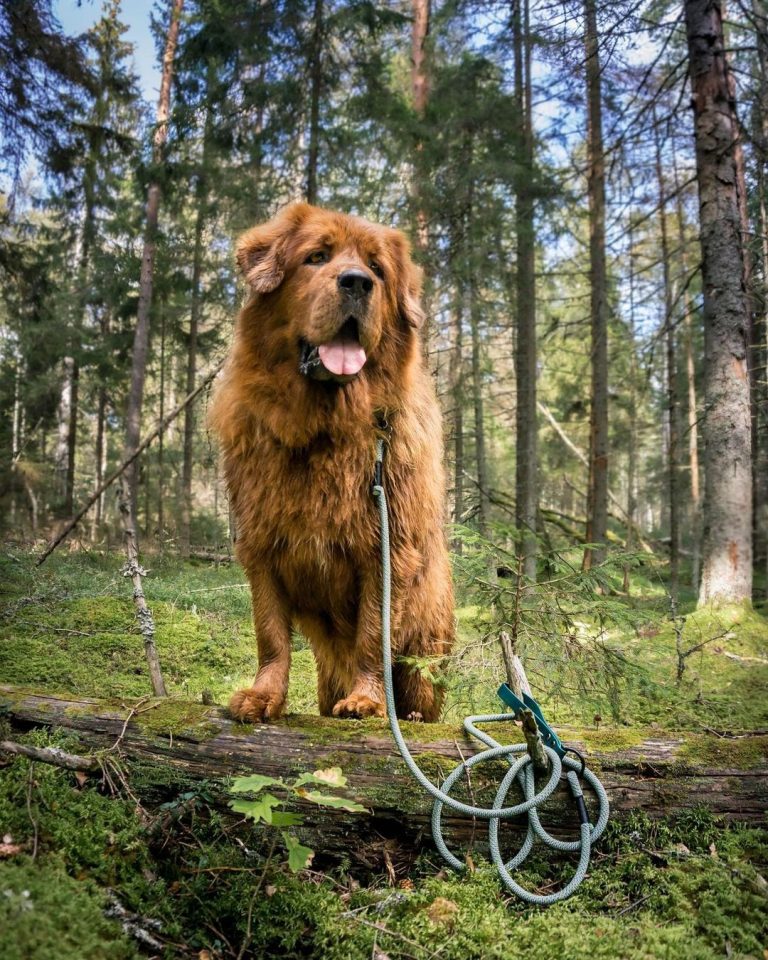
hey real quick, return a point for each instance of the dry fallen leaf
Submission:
(9, 849)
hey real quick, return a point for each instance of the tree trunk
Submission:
(420, 12)
(457, 392)
(316, 82)
(101, 416)
(141, 334)
(727, 552)
(74, 400)
(597, 491)
(690, 375)
(759, 345)
(64, 427)
(201, 192)
(479, 409)
(633, 402)
(177, 742)
(526, 481)
(161, 434)
(672, 398)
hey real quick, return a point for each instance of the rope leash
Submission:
(520, 767)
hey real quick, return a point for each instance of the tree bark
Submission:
(759, 365)
(597, 490)
(316, 82)
(420, 12)
(633, 402)
(183, 742)
(154, 195)
(690, 375)
(672, 396)
(478, 407)
(201, 196)
(457, 393)
(727, 548)
(526, 481)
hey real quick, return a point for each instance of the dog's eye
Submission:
(319, 256)
(376, 269)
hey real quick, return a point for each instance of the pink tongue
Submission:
(342, 357)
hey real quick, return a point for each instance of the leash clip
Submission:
(548, 735)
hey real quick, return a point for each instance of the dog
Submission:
(326, 356)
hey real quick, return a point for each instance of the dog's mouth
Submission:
(340, 359)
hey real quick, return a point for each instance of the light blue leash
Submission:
(520, 769)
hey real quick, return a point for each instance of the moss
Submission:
(745, 753)
(47, 915)
(609, 739)
(171, 717)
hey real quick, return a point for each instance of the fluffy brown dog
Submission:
(325, 349)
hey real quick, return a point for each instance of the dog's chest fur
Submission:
(312, 523)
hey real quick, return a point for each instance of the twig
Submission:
(131, 714)
(634, 905)
(52, 755)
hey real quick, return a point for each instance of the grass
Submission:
(684, 888)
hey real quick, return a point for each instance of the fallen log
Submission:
(174, 742)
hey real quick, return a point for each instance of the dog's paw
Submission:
(359, 706)
(255, 704)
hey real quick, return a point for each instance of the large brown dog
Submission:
(325, 349)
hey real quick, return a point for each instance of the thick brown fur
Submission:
(299, 458)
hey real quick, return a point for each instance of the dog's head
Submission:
(336, 293)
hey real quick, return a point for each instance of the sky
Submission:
(76, 16)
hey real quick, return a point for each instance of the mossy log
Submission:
(172, 742)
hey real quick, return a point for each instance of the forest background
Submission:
(584, 185)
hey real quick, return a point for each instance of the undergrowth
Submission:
(177, 864)
(684, 888)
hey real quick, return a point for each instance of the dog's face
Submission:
(338, 292)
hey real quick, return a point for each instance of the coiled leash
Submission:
(520, 767)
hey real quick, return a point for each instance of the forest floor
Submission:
(79, 867)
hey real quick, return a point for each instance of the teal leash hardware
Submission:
(520, 765)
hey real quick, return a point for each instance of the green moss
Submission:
(746, 753)
(47, 915)
(609, 739)
(170, 717)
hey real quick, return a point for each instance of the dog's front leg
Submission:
(366, 697)
(271, 618)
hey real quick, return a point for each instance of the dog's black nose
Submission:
(355, 283)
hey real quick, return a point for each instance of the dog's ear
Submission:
(260, 253)
(409, 278)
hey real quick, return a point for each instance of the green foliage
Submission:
(261, 806)
(592, 651)
(671, 889)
